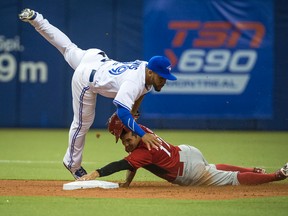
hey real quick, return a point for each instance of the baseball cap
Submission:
(161, 66)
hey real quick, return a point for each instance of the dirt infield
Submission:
(142, 190)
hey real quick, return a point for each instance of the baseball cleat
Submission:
(282, 173)
(78, 173)
(259, 170)
(284, 170)
(27, 14)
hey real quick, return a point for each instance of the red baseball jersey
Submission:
(163, 162)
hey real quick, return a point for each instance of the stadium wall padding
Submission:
(35, 79)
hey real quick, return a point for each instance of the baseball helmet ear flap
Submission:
(115, 126)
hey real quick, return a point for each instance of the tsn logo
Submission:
(219, 48)
(215, 35)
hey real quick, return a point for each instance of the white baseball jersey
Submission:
(124, 81)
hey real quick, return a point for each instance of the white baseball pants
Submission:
(197, 171)
(84, 100)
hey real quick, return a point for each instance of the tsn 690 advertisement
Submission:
(221, 52)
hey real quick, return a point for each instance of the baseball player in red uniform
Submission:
(183, 165)
(95, 73)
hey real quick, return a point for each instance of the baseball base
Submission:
(89, 184)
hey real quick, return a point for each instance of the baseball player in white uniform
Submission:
(95, 73)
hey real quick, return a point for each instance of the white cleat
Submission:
(284, 170)
(27, 14)
(282, 173)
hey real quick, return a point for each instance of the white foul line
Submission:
(36, 162)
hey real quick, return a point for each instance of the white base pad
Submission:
(89, 184)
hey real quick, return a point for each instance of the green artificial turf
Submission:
(57, 206)
(38, 154)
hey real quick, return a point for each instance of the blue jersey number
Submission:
(124, 66)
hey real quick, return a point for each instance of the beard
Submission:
(157, 88)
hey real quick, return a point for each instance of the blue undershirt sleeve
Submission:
(128, 120)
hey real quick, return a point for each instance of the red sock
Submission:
(249, 178)
(227, 167)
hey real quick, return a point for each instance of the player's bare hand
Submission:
(90, 176)
(151, 141)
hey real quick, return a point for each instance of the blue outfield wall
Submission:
(229, 56)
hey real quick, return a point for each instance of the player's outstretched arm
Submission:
(127, 119)
(107, 170)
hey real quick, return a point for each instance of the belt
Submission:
(91, 77)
